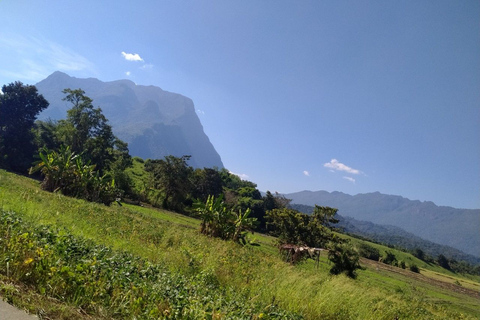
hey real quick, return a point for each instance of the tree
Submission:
(294, 227)
(419, 253)
(443, 262)
(86, 130)
(19, 106)
(325, 216)
(171, 176)
(276, 201)
(207, 182)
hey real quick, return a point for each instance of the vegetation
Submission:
(66, 172)
(127, 261)
(19, 106)
(256, 274)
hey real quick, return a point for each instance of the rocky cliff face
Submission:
(154, 122)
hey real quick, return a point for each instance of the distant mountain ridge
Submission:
(457, 228)
(154, 122)
(394, 236)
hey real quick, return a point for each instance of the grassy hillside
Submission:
(193, 276)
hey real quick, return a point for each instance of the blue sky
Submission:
(351, 96)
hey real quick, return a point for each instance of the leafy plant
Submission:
(66, 172)
(344, 258)
(218, 221)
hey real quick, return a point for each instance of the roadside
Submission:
(9, 312)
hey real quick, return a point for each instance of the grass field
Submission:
(217, 279)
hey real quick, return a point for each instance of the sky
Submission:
(350, 96)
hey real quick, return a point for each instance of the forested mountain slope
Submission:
(155, 123)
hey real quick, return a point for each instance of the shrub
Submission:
(220, 222)
(414, 268)
(389, 258)
(369, 252)
(345, 259)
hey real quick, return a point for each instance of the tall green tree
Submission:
(19, 106)
(86, 130)
(207, 182)
(172, 176)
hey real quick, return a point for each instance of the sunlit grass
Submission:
(173, 241)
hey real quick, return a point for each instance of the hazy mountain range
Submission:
(457, 228)
(154, 122)
(394, 236)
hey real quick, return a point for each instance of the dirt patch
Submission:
(420, 277)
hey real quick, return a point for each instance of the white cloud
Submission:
(306, 173)
(200, 111)
(131, 56)
(33, 59)
(240, 175)
(349, 179)
(128, 73)
(335, 165)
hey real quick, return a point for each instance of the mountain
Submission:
(155, 123)
(394, 236)
(457, 228)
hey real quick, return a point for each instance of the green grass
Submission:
(255, 274)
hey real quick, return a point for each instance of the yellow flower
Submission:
(28, 261)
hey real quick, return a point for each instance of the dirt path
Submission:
(420, 277)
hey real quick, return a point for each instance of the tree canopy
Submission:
(19, 107)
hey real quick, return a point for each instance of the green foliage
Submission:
(86, 130)
(66, 172)
(206, 182)
(389, 258)
(171, 176)
(251, 280)
(293, 227)
(344, 258)
(218, 221)
(19, 106)
(443, 262)
(113, 284)
(419, 253)
(414, 268)
(369, 252)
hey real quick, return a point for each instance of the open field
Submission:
(250, 277)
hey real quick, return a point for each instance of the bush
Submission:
(345, 259)
(414, 268)
(390, 258)
(369, 252)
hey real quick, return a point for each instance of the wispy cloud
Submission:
(240, 175)
(200, 111)
(338, 166)
(306, 173)
(131, 56)
(33, 59)
(147, 66)
(128, 73)
(349, 179)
